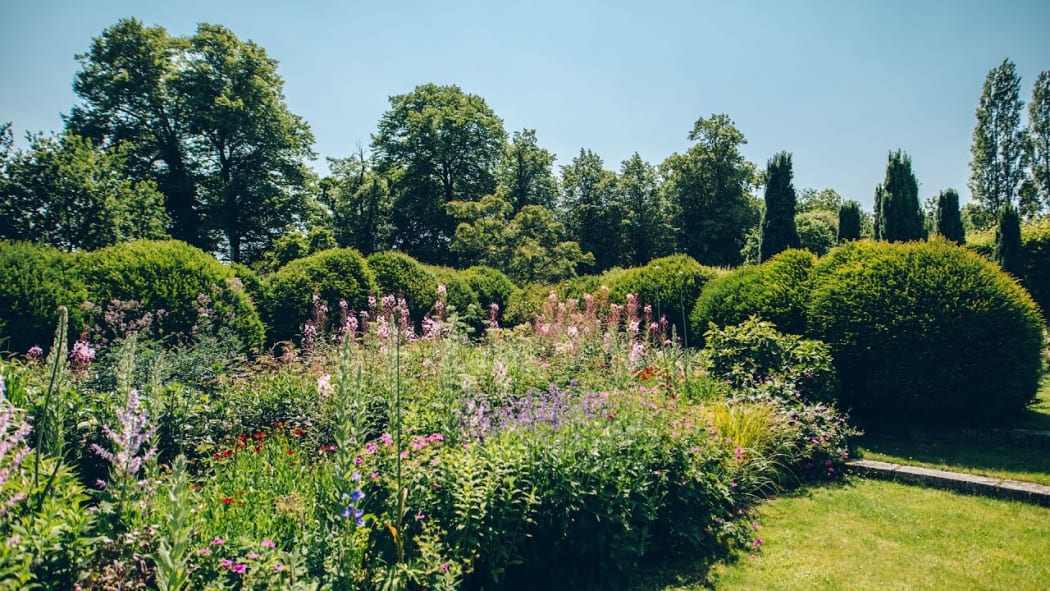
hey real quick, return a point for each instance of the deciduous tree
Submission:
(996, 169)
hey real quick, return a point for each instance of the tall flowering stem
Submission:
(13, 449)
(132, 447)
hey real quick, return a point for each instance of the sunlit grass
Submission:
(883, 535)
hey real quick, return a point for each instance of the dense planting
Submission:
(567, 453)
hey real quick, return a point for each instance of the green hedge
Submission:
(36, 281)
(339, 273)
(492, 286)
(401, 275)
(777, 291)
(458, 295)
(171, 275)
(926, 332)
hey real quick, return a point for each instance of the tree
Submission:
(65, 192)
(593, 215)
(1039, 139)
(899, 216)
(436, 144)
(947, 219)
(649, 233)
(849, 221)
(996, 169)
(127, 82)
(250, 149)
(361, 204)
(817, 230)
(778, 221)
(525, 175)
(813, 200)
(526, 246)
(709, 187)
(1008, 251)
(207, 120)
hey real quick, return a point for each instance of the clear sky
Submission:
(839, 83)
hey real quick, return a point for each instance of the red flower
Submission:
(228, 501)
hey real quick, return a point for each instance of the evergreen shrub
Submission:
(37, 280)
(926, 332)
(777, 291)
(401, 275)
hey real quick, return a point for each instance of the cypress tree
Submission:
(947, 219)
(901, 215)
(778, 221)
(1008, 251)
(849, 221)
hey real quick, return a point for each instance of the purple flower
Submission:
(34, 354)
(356, 496)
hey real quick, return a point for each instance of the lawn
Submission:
(871, 534)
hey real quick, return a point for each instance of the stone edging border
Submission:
(967, 483)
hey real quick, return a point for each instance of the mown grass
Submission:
(872, 534)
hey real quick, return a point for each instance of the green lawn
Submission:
(872, 534)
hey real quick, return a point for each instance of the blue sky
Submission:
(837, 83)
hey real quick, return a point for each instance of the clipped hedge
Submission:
(36, 281)
(172, 276)
(335, 274)
(777, 291)
(399, 274)
(490, 285)
(669, 284)
(926, 332)
(458, 295)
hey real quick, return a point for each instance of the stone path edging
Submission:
(967, 483)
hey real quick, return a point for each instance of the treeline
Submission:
(191, 138)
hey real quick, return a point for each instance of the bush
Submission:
(459, 296)
(1035, 240)
(926, 332)
(36, 281)
(525, 303)
(491, 287)
(177, 278)
(776, 290)
(399, 274)
(669, 284)
(336, 274)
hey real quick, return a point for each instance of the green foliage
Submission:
(996, 170)
(776, 290)
(525, 173)
(401, 275)
(670, 285)
(593, 215)
(817, 230)
(66, 192)
(849, 221)
(190, 286)
(361, 204)
(337, 274)
(898, 214)
(778, 220)
(710, 187)
(1035, 243)
(525, 303)
(1039, 140)
(1008, 252)
(490, 285)
(37, 280)
(947, 219)
(459, 296)
(649, 228)
(437, 144)
(926, 332)
(754, 352)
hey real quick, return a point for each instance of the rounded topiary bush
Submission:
(492, 286)
(926, 332)
(36, 281)
(777, 291)
(669, 284)
(177, 278)
(1035, 243)
(399, 274)
(458, 295)
(336, 274)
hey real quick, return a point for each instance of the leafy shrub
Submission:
(669, 284)
(776, 290)
(926, 332)
(490, 285)
(336, 274)
(458, 295)
(525, 303)
(1035, 241)
(36, 281)
(252, 282)
(399, 274)
(177, 278)
(754, 352)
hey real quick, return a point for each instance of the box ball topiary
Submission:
(37, 280)
(458, 295)
(776, 291)
(492, 286)
(670, 285)
(399, 274)
(173, 276)
(335, 274)
(926, 332)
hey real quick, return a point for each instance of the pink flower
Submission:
(757, 542)
(204, 551)
(240, 568)
(386, 439)
(226, 563)
(217, 541)
(252, 556)
(268, 544)
(278, 567)
(444, 567)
